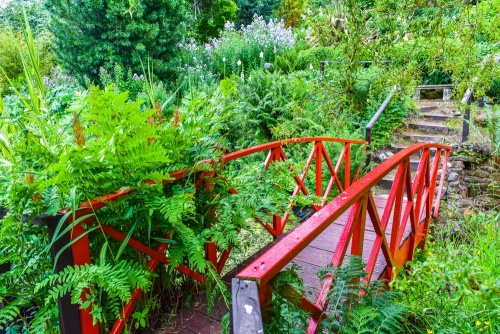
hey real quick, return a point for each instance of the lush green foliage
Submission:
(35, 11)
(211, 15)
(247, 9)
(493, 127)
(355, 307)
(93, 34)
(455, 288)
(61, 145)
(11, 66)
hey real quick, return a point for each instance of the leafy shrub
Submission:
(36, 13)
(312, 57)
(124, 80)
(493, 128)
(214, 14)
(428, 54)
(90, 35)
(493, 91)
(247, 9)
(11, 68)
(291, 11)
(455, 287)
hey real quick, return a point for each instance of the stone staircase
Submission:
(436, 121)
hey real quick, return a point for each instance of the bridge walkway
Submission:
(318, 254)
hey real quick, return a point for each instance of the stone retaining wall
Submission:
(471, 178)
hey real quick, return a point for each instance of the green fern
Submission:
(117, 281)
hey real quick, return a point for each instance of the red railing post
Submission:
(358, 235)
(81, 255)
(265, 297)
(347, 166)
(319, 168)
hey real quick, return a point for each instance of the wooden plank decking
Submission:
(311, 259)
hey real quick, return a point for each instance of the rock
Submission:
(453, 176)
(455, 196)
(380, 157)
(458, 164)
(481, 173)
(495, 176)
(463, 158)
(476, 190)
(487, 168)
(465, 202)
(455, 170)
(485, 202)
(454, 184)
(480, 119)
(477, 180)
(445, 191)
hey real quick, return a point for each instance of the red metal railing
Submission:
(80, 247)
(410, 201)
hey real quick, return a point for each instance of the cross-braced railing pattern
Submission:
(82, 220)
(408, 209)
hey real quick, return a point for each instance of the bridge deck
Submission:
(311, 259)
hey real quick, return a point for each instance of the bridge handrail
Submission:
(371, 123)
(301, 236)
(467, 100)
(181, 173)
(358, 198)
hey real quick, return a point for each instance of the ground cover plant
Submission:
(355, 307)
(455, 285)
(91, 105)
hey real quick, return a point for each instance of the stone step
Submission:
(436, 117)
(428, 108)
(387, 181)
(397, 148)
(429, 127)
(423, 138)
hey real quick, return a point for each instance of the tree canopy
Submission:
(90, 34)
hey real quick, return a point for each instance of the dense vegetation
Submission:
(97, 96)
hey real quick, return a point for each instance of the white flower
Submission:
(311, 66)
(224, 59)
(261, 54)
(239, 63)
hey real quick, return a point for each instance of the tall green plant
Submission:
(90, 35)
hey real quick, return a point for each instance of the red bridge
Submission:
(384, 231)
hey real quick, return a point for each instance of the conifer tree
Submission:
(90, 34)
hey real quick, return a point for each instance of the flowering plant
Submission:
(235, 51)
(252, 44)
